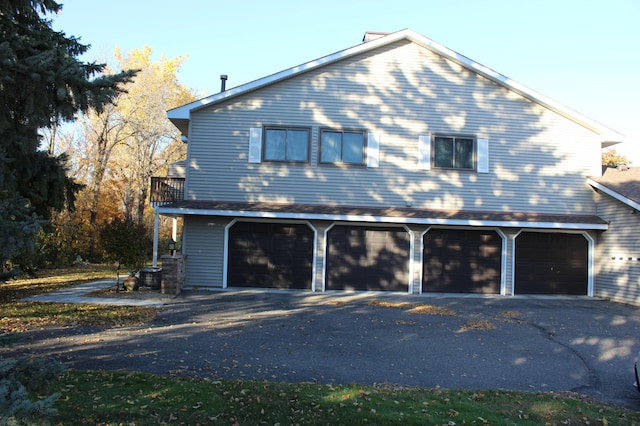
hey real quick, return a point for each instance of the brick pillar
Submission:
(172, 274)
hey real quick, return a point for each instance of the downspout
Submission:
(155, 237)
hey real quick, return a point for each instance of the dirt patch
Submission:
(141, 293)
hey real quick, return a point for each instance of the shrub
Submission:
(21, 379)
(125, 243)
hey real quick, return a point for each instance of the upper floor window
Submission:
(286, 144)
(342, 146)
(454, 152)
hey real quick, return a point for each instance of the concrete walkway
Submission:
(77, 294)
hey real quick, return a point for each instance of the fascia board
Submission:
(381, 219)
(614, 194)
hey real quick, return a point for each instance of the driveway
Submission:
(522, 343)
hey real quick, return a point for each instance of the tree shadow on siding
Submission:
(531, 168)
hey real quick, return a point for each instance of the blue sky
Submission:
(583, 54)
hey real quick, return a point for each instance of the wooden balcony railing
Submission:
(166, 190)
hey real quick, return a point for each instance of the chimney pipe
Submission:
(223, 82)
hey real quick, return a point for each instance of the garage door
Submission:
(551, 263)
(461, 261)
(270, 255)
(367, 258)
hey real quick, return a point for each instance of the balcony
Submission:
(166, 190)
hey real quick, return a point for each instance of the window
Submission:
(342, 146)
(453, 152)
(286, 144)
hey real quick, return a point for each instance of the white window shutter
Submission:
(255, 144)
(483, 155)
(424, 152)
(373, 150)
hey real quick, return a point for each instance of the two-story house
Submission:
(394, 165)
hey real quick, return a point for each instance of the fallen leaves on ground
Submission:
(478, 324)
(415, 308)
(23, 316)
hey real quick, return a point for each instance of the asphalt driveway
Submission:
(521, 343)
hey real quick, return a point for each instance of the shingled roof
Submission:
(621, 183)
(383, 214)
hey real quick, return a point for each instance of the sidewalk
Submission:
(77, 294)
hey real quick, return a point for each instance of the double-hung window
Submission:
(286, 144)
(342, 146)
(454, 152)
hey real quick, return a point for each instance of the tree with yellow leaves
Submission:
(152, 142)
(612, 158)
(115, 151)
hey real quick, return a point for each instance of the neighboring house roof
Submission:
(180, 116)
(621, 183)
(384, 215)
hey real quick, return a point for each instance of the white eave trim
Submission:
(609, 136)
(614, 194)
(382, 219)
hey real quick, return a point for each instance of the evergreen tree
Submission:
(41, 84)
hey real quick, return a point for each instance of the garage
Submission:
(461, 261)
(368, 258)
(270, 255)
(551, 263)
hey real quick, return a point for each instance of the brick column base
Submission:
(172, 274)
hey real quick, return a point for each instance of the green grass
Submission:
(114, 398)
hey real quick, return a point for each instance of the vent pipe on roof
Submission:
(223, 82)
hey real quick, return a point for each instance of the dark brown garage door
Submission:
(270, 255)
(461, 261)
(368, 258)
(551, 263)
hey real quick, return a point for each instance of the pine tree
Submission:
(41, 84)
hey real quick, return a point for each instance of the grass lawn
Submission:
(114, 397)
(16, 316)
(100, 397)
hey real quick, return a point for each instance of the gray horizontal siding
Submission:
(617, 264)
(538, 159)
(204, 247)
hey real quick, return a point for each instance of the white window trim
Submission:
(373, 150)
(255, 145)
